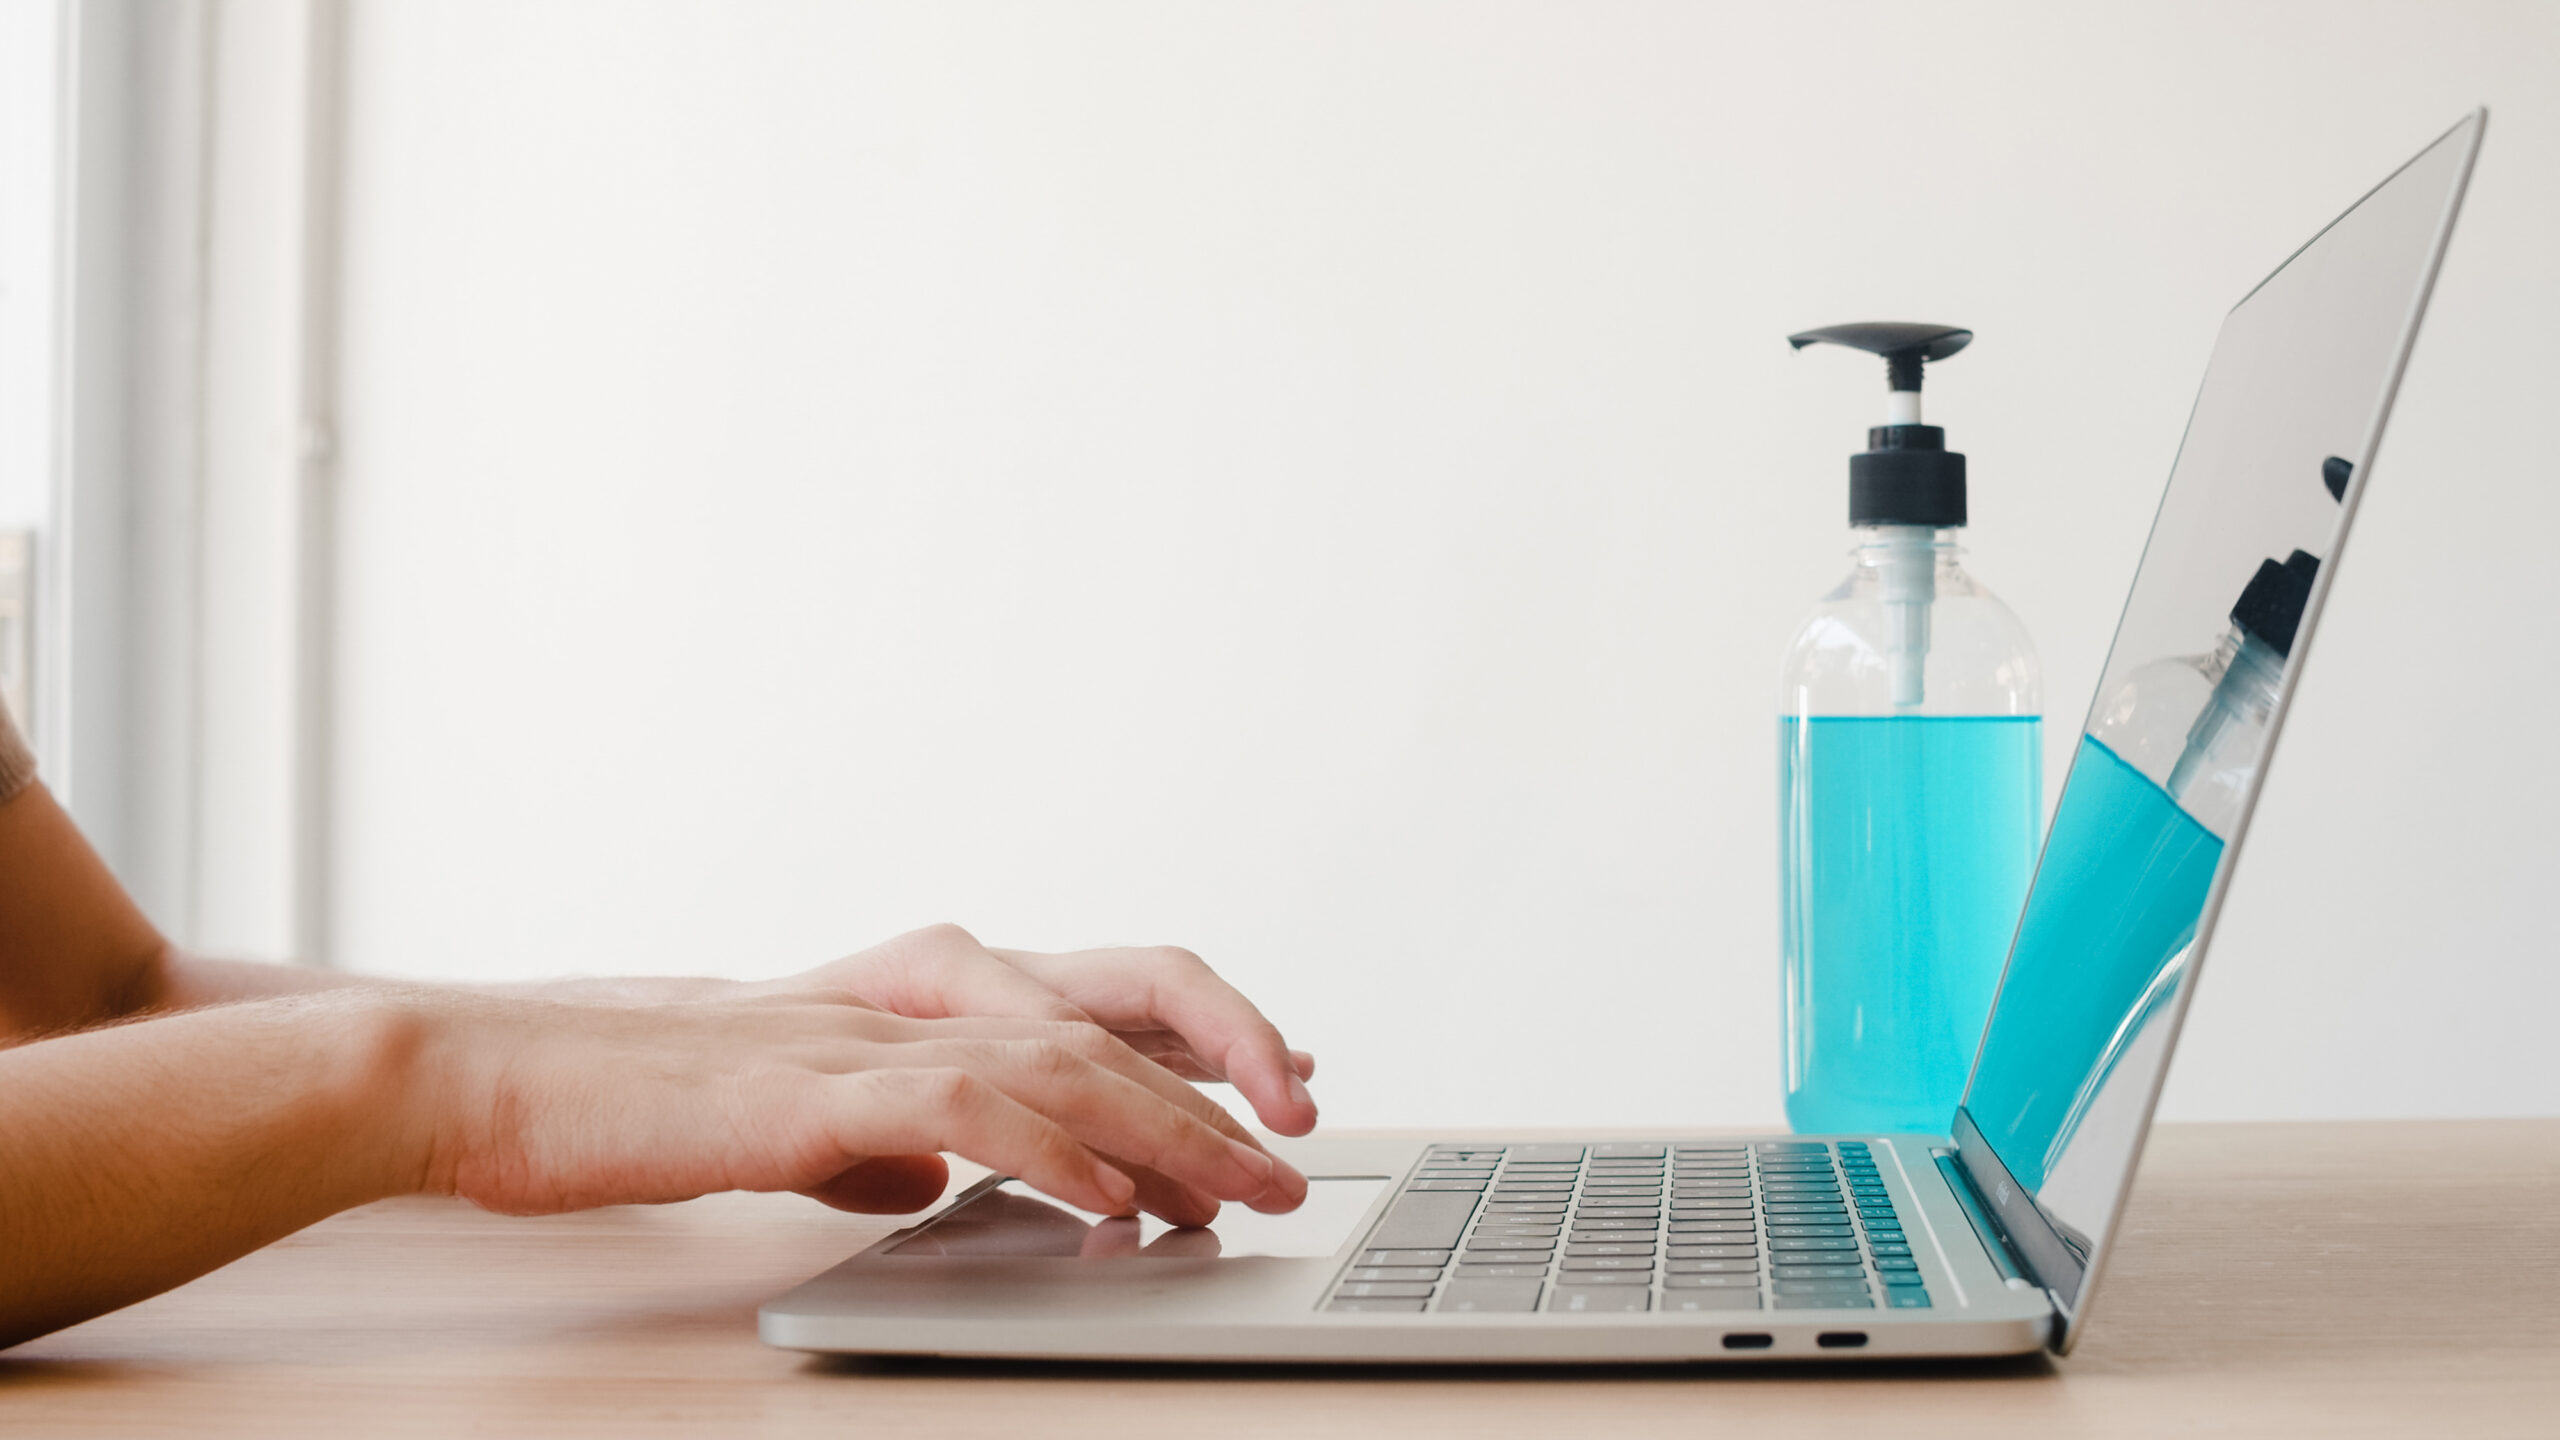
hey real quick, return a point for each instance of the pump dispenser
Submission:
(1907, 484)
(1910, 781)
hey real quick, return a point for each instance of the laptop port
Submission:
(1841, 1339)
(1746, 1342)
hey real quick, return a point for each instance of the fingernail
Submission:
(1120, 1188)
(1255, 1164)
(1298, 1091)
(1287, 1178)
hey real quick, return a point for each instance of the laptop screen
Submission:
(2169, 761)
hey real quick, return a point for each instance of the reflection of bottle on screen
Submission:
(2103, 944)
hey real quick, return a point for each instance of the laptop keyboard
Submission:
(1613, 1228)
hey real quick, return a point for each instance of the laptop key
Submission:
(1713, 1267)
(1393, 1273)
(1825, 1302)
(1420, 1222)
(1640, 1263)
(1818, 1272)
(1588, 1300)
(1488, 1297)
(1508, 1270)
(1711, 1300)
(1377, 1307)
(1433, 1258)
(1901, 1279)
(1836, 1232)
(1715, 1252)
(1813, 1242)
(1612, 1247)
(1376, 1290)
(1820, 1287)
(1712, 1282)
(1471, 1187)
(1606, 1277)
(1546, 1152)
(1908, 1300)
(1482, 1241)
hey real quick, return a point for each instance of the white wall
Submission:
(1325, 484)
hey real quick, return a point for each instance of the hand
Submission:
(534, 1106)
(1163, 1002)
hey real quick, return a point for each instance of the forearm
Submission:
(137, 1157)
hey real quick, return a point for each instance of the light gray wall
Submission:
(1324, 484)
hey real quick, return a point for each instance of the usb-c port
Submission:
(1841, 1339)
(1747, 1342)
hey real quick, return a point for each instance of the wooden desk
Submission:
(2345, 1279)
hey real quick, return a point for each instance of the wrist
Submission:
(395, 1079)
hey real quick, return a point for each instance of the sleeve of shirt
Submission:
(17, 762)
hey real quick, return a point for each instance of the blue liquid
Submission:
(2100, 952)
(1905, 846)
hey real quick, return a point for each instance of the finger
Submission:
(885, 1185)
(1169, 1200)
(1170, 1051)
(915, 1110)
(1112, 1113)
(942, 971)
(1172, 989)
(1288, 1186)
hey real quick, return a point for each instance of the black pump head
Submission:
(1902, 343)
(1907, 476)
(2272, 605)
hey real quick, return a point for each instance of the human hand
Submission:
(1164, 1002)
(529, 1106)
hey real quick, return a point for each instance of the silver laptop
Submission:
(1988, 1240)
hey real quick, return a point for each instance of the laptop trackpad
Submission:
(1015, 1220)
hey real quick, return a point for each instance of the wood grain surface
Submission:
(2397, 1279)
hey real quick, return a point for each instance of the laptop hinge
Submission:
(1994, 1243)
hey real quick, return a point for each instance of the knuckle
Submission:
(945, 937)
(1083, 1038)
(1175, 958)
(1049, 1062)
(946, 1087)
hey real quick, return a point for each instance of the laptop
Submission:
(1990, 1239)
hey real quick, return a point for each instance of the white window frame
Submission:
(183, 668)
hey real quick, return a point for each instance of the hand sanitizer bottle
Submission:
(1910, 784)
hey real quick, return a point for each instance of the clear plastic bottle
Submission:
(1911, 782)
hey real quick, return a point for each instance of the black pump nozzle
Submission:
(1907, 476)
(1902, 343)
(2271, 606)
